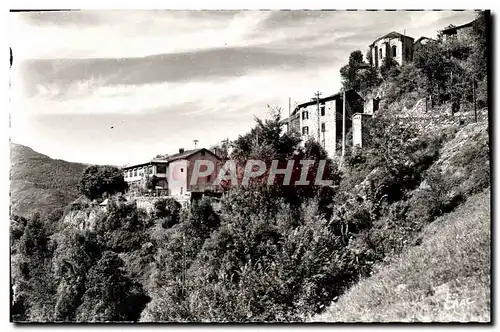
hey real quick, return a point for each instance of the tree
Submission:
(99, 180)
(408, 85)
(151, 182)
(389, 68)
(368, 78)
(350, 78)
(77, 251)
(110, 295)
(32, 273)
(480, 31)
(433, 63)
(222, 149)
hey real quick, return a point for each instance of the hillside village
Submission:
(337, 122)
(401, 232)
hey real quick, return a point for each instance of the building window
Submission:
(125, 174)
(305, 130)
(181, 190)
(305, 115)
(161, 169)
(394, 51)
(322, 110)
(380, 53)
(323, 127)
(130, 173)
(135, 171)
(182, 170)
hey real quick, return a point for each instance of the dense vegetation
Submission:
(263, 252)
(444, 279)
(102, 181)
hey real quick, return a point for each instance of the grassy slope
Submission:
(39, 183)
(452, 262)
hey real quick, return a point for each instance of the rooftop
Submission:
(174, 157)
(453, 30)
(392, 34)
(349, 94)
(423, 38)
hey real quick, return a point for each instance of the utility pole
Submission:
(343, 125)
(403, 46)
(183, 266)
(451, 89)
(316, 95)
(474, 97)
(289, 113)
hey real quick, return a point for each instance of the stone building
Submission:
(457, 31)
(393, 45)
(322, 120)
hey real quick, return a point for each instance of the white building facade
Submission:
(392, 45)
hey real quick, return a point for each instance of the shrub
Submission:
(266, 267)
(110, 295)
(167, 209)
(97, 181)
(389, 68)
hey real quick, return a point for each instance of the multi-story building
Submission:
(322, 119)
(174, 173)
(392, 45)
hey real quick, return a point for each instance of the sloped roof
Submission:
(454, 29)
(423, 38)
(349, 93)
(183, 155)
(392, 34)
(173, 157)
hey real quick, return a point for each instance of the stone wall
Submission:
(147, 203)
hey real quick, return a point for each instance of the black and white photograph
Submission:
(250, 166)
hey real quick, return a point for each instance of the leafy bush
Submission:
(109, 294)
(97, 181)
(389, 68)
(169, 210)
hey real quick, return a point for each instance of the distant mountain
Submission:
(39, 183)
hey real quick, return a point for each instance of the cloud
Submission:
(94, 95)
(123, 34)
(206, 65)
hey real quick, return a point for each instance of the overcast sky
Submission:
(164, 78)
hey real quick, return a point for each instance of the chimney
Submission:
(181, 150)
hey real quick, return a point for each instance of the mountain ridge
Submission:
(39, 183)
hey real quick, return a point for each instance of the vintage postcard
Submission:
(237, 166)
